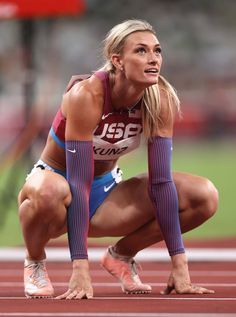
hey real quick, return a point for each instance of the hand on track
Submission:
(179, 280)
(80, 283)
(182, 285)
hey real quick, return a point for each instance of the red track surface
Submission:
(109, 299)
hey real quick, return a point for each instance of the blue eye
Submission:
(158, 50)
(141, 50)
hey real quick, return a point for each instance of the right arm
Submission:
(81, 120)
(82, 108)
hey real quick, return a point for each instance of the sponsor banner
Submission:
(31, 9)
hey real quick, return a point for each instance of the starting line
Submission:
(108, 314)
(138, 298)
(150, 254)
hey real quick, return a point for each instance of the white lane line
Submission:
(97, 284)
(106, 314)
(146, 272)
(150, 254)
(136, 297)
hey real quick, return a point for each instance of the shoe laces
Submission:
(129, 264)
(39, 273)
(134, 267)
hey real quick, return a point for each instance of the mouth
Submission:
(153, 71)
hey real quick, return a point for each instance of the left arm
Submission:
(165, 199)
(163, 192)
(161, 185)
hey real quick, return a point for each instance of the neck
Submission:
(124, 95)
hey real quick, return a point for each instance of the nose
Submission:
(153, 58)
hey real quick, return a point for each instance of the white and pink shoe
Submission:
(125, 269)
(36, 281)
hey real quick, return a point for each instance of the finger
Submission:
(80, 295)
(89, 294)
(167, 290)
(85, 294)
(64, 295)
(72, 295)
(209, 291)
(201, 290)
(194, 290)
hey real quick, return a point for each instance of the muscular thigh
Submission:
(191, 189)
(128, 207)
(46, 185)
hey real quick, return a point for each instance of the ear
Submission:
(117, 61)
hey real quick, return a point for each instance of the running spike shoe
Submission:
(125, 269)
(36, 281)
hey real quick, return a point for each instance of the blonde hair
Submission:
(151, 107)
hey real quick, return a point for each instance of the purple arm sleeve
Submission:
(80, 172)
(163, 193)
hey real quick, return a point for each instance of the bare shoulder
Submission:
(82, 106)
(93, 84)
(85, 96)
(91, 87)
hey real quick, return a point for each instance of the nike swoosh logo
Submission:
(72, 151)
(106, 115)
(107, 188)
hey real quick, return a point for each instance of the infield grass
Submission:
(216, 161)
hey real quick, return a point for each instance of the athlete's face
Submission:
(141, 58)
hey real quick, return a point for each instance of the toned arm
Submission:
(161, 186)
(82, 107)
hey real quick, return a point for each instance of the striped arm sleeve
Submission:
(79, 172)
(163, 193)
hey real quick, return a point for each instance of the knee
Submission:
(209, 199)
(45, 198)
(42, 201)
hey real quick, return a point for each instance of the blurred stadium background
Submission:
(43, 45)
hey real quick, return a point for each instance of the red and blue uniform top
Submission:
(117, 133)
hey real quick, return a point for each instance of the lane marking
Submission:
(150, 254)
(65, 284)
(133, 297)
(106, 314)
(157, 273)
